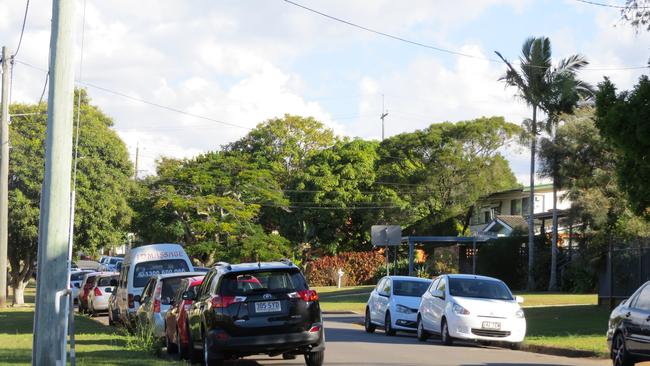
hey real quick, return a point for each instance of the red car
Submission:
(176, 335)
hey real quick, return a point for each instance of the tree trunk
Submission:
(552, 283)
(19, 292)
(531, 203)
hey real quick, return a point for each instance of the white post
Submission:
(340, 273)
(54, 224)
(4, 176)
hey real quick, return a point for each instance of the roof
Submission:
(513, 221)
(259, 265)
(470, 276)
(410, 278)
(179, 274)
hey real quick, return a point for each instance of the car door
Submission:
(146, 300)
(195, 313)
(637, 323)
(426, 306)
(438, 305)
(383, 300)
(372, 301)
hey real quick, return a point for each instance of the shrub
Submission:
(359, 268)
(141, 338)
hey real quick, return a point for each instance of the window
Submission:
(487, 217)
(145, 270)
(524, 205)
(387, 287)
(515, 207)
(643, 300)
(202, 291)
(434, 285)
(380, 285)
(243, 284)
(442, 285)
(478, 288)
(105, 281)
(410, 288)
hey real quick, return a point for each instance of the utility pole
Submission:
(137, 157)
(384, 114)
(4, 176)
(49, 318)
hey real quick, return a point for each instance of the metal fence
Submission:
(626, 268)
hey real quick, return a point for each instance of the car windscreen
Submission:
(170, 286)
(115, 260)
(77, 276)
(409, 288)
(106, 281)
(479, 288)
(144, 270)
(246, 283)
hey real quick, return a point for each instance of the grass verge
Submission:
(96, 344)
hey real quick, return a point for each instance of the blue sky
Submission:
(244, 61)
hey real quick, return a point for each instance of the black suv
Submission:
(629, 329)
(255, 308)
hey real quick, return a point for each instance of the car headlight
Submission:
(520, 314)
(459, 310)
(403, 309)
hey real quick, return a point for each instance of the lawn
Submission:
(96, 344)
(555, 299)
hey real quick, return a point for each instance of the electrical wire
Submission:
(22, 30)
(435, 48)
(610, 5)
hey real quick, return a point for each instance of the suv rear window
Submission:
(245, 283)
(145, 270)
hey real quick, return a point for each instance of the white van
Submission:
(139, 265)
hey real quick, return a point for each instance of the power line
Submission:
(610, 5)
(22, 30)
(435, 48)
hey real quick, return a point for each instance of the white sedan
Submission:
(473, 308)
(394, 303)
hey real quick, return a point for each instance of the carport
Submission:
(441, 242)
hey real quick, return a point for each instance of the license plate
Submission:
(267, 307)
(492, 325)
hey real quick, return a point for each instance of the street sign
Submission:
(385, 235)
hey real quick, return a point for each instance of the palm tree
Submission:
(546, 89)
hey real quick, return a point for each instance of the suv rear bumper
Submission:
(222, 344)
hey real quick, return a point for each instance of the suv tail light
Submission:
(219, 301)
(131, 302)
(308, 295)
(98, 292)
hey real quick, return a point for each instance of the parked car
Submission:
(156, 299)
(255, 308)
(627, 333)
(139, 265)
(86, 286)
(103, 286)
(76, 279)
(110, 264)
(176, 337)
(394, 303)
(472, 308)
(113, 311)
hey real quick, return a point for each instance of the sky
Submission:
(232, 64)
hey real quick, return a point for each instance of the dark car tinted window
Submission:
(241, 284)
(115, 260)
(77, 276)
(409, 288)
(144, 270)
(479, 288)
(643, 300)
(106, 281)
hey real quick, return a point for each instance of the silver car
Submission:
(102, 288)
(156, 300)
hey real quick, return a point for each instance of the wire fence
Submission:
(625, 269)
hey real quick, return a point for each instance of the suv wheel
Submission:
(388, 326)
(444, 334)
(208, 360)
(423, 335)
(370, 328)
(315, 358)
(193, 355)
(620, 356)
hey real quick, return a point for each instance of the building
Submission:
(501, 213)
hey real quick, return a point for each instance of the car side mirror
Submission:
(520, 300)
(189, 295)
(113, 283)
(137, 298)
(439, 294)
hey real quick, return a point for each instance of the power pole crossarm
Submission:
(4, 176)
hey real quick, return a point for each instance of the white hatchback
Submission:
(394, 303)
(473, 308)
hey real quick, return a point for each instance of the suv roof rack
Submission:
(287, 261)
(223, 264)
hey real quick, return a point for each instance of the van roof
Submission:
(163, 247)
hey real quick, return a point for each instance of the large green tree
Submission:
(546, 89)
(624, 120)
(103, 186)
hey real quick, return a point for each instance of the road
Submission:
(349, 345)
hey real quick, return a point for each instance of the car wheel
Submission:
(182, 350)
(388, 326)
(207, 355)
(444, 334)
(370, 328)
(620, 355)
(423, 335)
(315, 358)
